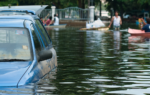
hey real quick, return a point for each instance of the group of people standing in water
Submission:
(117, 22)
(49, 21)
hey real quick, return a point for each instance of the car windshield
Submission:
(14, 44)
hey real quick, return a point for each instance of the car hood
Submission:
(11, 72)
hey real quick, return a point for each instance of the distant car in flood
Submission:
(26, 50)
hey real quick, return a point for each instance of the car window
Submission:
(15, 43)
(43, 33)
(37, 43)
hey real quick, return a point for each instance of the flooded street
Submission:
(95, 63)
(101, 63)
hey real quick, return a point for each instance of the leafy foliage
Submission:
(127, 5)
(57, 3)
(6, 2)
(120, 5)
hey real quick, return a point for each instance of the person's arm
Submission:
(45, 21)
(51, 22)
(120, 21)
(46, 16)
(111, 22)
(143, 21)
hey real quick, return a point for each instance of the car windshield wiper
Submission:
(5, 60)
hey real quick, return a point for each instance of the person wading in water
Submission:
(116, 20)
(56, 20)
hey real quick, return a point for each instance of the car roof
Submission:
(36, 8)
(12, 23)
(6, 19)
(18, 10)
(26, 17)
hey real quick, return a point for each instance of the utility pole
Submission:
(92, 3)
(88, 2)
(100, 9)
(113, 4)
(112, 9)
(91, 8)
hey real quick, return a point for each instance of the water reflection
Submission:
(106, 62)
(116, 37)
(96, 63)
(44, 87)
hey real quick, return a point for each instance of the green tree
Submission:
(127, 5)
(6, 2)
(58, 3)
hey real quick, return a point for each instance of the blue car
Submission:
(26, 50)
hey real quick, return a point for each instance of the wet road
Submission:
(95, 63)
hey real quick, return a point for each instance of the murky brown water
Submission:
(96, 63)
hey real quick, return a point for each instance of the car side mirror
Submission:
(44, 55)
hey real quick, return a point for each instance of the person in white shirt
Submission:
(55, 21)
(116, 20)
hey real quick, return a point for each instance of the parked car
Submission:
(26, 50)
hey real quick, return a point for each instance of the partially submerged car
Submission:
(26, 50)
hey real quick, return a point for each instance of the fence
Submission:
(70, 13)
(46, 12)
(73, 13)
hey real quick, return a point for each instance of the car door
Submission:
(42, 66)
(47, 43)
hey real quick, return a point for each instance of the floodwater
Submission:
(95, 63)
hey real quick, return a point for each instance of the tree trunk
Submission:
(83, 4)
(80, 3)
(58, 4)
(121, 10)
(100, 9)
(111, 14)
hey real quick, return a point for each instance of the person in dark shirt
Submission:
(146, 26)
